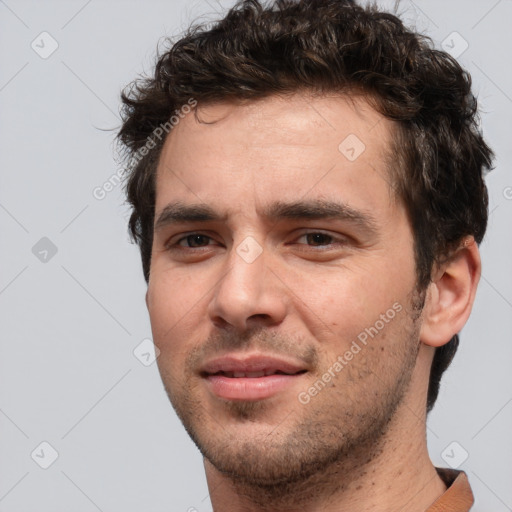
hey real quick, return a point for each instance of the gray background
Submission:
(71, 320)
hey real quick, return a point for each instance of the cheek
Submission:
(342, 302)
(173, 306)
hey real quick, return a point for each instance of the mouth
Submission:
(253, 375)
(250, 378)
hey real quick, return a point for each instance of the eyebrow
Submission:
(175, 213)
(179, 212)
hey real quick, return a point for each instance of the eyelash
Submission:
(334, 240)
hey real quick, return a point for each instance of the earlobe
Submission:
(451, 294)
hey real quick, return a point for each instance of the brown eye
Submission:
(318, 239)
(195, 240)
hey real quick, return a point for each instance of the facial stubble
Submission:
(337, 434)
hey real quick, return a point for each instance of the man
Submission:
(307, 193)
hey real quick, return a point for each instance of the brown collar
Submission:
(458, 497)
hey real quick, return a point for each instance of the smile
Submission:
(250, 378)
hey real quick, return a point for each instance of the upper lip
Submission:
(251, 363)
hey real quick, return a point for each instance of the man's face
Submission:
(278, 243)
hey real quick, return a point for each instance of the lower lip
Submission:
(249, 388)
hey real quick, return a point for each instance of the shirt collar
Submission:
(458, 497)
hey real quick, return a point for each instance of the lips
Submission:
(240, 375)
(250, 378)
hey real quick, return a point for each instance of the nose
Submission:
(249, 294)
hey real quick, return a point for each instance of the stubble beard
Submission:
(317, 449)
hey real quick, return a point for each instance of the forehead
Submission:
(279, 147)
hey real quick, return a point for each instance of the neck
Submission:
(398, 476)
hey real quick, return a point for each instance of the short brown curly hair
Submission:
(258, 50)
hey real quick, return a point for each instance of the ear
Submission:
(451, 294)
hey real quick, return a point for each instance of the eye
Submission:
(192, 247)
(317, 239)
(194, 240)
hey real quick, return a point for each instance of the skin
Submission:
(360, 443)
